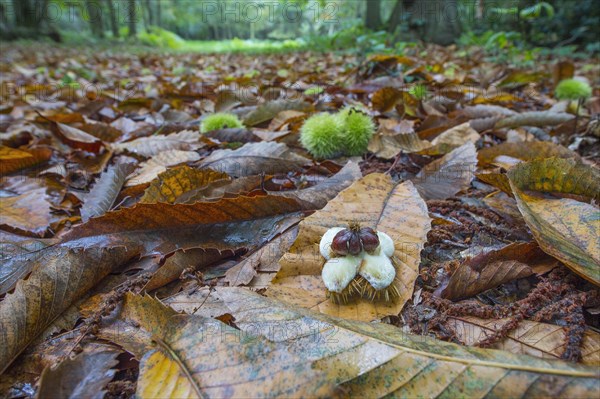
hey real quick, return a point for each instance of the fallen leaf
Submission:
(357, 358)
(385, 99)
(13, 160)
(373, 201)
(185, 140)
(255, 158)
(564, 228)
(59, 277)
(86, 375)
(529, 338)
(452, 138)
(176, 182)
(29, 212)
(158, 164)
(491, 269)
(524, 151)
(445, 177)
(191, 361)
(269, 110)
(318, 196)
(177, 262)
(77, 138)
(393, 137)
(104, 193)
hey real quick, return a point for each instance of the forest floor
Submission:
(485, 181)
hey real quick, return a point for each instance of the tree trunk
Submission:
(114, 24)
(150, 13)
(132, 19)
(158, 14)
(94, 14)
(373, 14)
(441, 20)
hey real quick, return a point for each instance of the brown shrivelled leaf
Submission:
(385, 99)
(218, 189)
(190, 360)
(169, 186)
(60, 276)
(318, 196)
(498, 180)
(269, 110)
(16, 254)
(86, 375)
(448, 175)
(254, 158)
(534, 118)
(284, 118)
(76, 138)
(529, 338)
(452, 138)
(564, 228)
(562, 70)
(260, 267)
(524, 151)
(393, 137)
(156, 165)
(177, 262)
(373, 201)
(29, 212)
(102, 196)
(232, 135)
(185, 140)
(491, 269)
(12, 160)
(373, 359)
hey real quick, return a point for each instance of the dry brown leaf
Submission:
(452, 138)
(284, 118)
(29, 212)
(156, 165)
(12, 160)
(373, 201)
(368, 359)
(104, 193)
(185, 140)
(393, 137)
(255, 158)
(448, 175)
(86, 375)
(524, 152)
(77, 138)
(491, 269)
(529, 338)
(269, 110)
(60, 276)
(176, 182)
(564, 228)
(177, 262)
(385, 99)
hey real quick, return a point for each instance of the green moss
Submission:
(219, 121)
(358, 128)
(321, 135)
(573, 89)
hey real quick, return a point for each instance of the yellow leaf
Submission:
(563, 227)
(376, 202)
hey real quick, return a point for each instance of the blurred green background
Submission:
(502, 28)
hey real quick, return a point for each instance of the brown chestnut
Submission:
(369, 239)
(353, 240)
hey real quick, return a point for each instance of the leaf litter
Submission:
(492, 202)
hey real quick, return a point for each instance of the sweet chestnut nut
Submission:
(354, 240)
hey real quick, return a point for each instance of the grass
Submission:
(241, 46)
